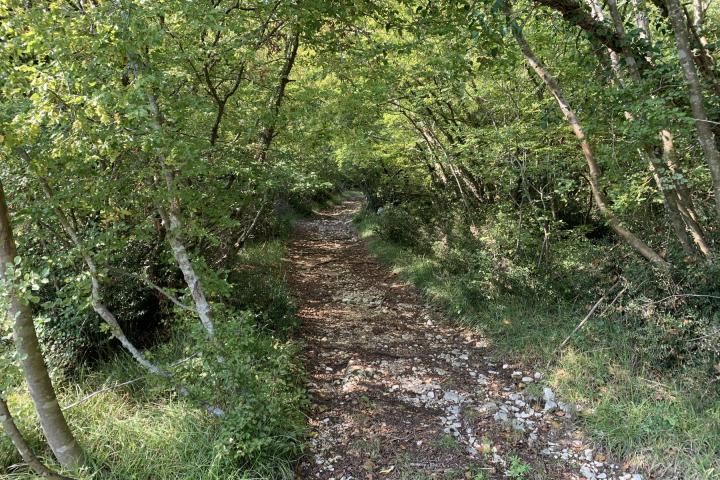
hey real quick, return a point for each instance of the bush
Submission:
(257, 284)
(258, 386)
(399, 225)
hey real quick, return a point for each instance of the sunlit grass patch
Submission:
(144, 430)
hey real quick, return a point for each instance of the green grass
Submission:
(146, 431)
(130, 433)
(667, 423)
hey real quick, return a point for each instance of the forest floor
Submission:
(400, 392)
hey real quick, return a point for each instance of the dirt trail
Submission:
(400, 393)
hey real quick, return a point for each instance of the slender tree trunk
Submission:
(98, 305)
(593, 168)
(573, 12)
(599, 15)
(268, 132)
(16, 437)
(671, 208)
(472, 183)
(60, 438)
(706, 137)
(682, 194)
(641, 19)
(669, 195)
(620, 29)
(171, 219)
(699, 17)
(704, 61)
(679, 179)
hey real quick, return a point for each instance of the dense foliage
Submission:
(526, 158)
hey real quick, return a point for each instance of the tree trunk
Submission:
(706, 137)
(593, 168)
(599, 15)
(699, 15)
(60, 438)
(669, 195)
(620, 29)
(16, 437)
(171, 220)
(98, 305)
(641, 19)
(671, 208)
(268, 132)
(575, 13)
(682, 194)
(678, 175)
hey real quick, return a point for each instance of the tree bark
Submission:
(60, 438)
(97, 303)
(575, 13)
(593, 168)
(620, 30)
(671, 208)
(641, 19)
(171, 220)
(683, 198)
(669, 195)
(16, 437)
(599, 15)
(268, 132)
(706, 137)
(699, 17)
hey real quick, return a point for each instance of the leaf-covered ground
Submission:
(401, 393)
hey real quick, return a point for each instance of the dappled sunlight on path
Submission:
(399, 393)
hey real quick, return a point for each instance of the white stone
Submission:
(451, 396)
(501, 416)
(587, 473)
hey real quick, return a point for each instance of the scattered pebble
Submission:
(445, 374)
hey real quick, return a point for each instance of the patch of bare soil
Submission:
(400, 393)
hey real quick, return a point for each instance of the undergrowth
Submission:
(145, 430)
(664, 419)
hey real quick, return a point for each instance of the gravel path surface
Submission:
(400, 393)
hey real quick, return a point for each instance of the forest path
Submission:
(400, 393)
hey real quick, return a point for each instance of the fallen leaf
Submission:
(387, 470)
